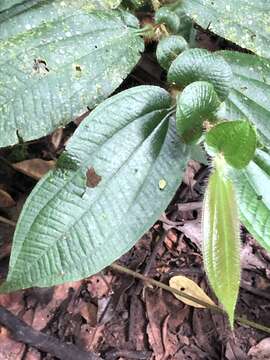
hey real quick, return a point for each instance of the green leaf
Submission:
(18, 15)
(50, 75)
(244, 22)
(196, 104)
(124, 150)
(221, 240)
(236, 140)
(169, 48)
(7, 4)
(252, 187)
(201, 65)
(169, 18)
(250, 91)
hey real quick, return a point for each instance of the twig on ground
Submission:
(7, 221)
(24, 333)
(161, 285)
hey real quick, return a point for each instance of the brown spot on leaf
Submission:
(93, 179)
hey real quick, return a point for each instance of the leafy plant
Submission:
(123, 164)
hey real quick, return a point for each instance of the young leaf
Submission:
(221, 240)
(201, 65)
(246, 23)
(169, 48)
(236, 140)
(169, 18)
(250, 91)
(195, 104)
(50, 74)
(252, 188)
(189, 287)
(68, 230)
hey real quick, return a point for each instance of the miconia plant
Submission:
(125, 161)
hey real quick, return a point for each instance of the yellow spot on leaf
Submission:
(162, 184)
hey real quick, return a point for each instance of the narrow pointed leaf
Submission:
(236, 140)
(250, 91)
(221, 240)
(105, 193)
(51, 73)
(244, 22)
(252, 188)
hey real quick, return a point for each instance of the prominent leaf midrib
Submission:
(63, 68)
(151, 134)
(85, 164)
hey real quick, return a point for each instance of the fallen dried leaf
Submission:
(261, 351)
(6, 200)
(34, 168)
(189, 287)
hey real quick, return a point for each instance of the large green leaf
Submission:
(221, 240)
(252, 188)
(244, 22)
(26, 15)
(236, 140)
(49, 75)
(128, 153)
(250, 91)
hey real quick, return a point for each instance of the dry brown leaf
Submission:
(99, 286)
(56, 138)
(189, 287)
(9, 348)
(34, 168)
(192, 168)
(6, 200)
(261, 351)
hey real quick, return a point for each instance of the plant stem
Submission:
(161, 285)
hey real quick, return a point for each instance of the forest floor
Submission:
(115, 315)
